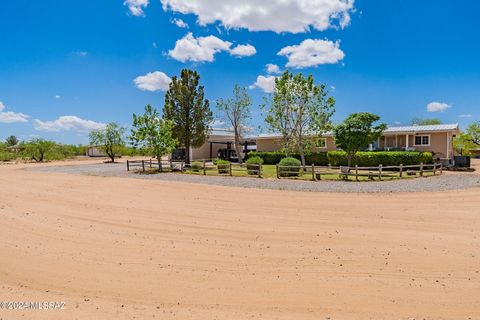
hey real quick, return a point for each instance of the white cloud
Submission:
(68, 123)
(81, 53)
(465, 116)
(203, 49)
(311, 53)
(153, 81)
(136, 6)
(154, 44)
(274, 15)
(273, 68)
(58, 97)
(179, 23)
(437, 107)
(217, 123)
(243, 50)
(267, 84)
(11, 117)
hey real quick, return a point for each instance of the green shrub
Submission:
(385, 158)
(7, 156)
(253, 165)
(292, 167)
(318, 159)
(196, 166)
(223, 166)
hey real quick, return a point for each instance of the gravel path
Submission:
(449, 181)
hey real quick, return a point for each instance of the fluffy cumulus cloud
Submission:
(267, 84)
(272, 68)
(274, 15)
(68, 123)
(203, 49)
(11, 117)
(243, 50)
(179, 23)
(437, 107)
(311, 53)
(153, 81)
(136, 6)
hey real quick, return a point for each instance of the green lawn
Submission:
(269, 172)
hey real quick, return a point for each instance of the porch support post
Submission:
(396, 141)
(406, 143)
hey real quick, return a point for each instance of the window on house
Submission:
(422, 140)
(322, 143)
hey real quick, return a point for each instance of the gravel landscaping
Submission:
(447, 181)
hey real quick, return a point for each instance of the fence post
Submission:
(441, 168)
(143, 165)
(421, 169)
(181, 167)
(204, 168)
(259, 170)
(128, 165)
(150, 163)
(230, 169)
(380, 172)
(434, 169)
(160, 168)
(401, 170)
(171, 164)
(278, 174)
(356, 172)
(313, 172)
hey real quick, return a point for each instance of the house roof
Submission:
(389, 130)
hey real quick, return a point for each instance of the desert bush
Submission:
(253, 165)
(223, 166)
(289, 167)
(385, 158)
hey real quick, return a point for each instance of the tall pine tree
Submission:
(187, 108)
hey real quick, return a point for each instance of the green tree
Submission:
(36, 149)
(473, 131)
(357, 132)
(153, 134)
(236, 111)
(463, 144)
(109, 140)
(425, 122)
(11, 141)
(299, 110)
(187, 108)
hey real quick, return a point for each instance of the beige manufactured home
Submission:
(433, 138)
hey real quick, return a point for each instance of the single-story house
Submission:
(218, 139)
(433, 138)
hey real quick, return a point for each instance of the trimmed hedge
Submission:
(289, 172)
(253, 164)
(318, 159)
(385, 158)
(223, 166)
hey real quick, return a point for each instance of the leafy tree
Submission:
(36, 149)
(109, 140)
(190, 113)
(473, 131)
(153, 134)
(356, 132)
(425, 122)
(236, 111)
(463, 144)
(11, 141)
(299, 110)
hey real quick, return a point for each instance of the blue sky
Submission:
(67, 67)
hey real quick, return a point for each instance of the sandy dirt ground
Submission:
(115, 248)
